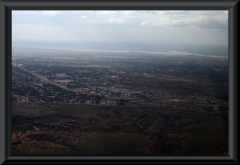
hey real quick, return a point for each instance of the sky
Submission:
(186, 27)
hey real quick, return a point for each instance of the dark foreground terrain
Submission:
(60, 129)
(132, 104)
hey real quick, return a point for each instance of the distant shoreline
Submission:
(167, 52)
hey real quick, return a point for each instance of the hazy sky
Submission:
(185, 27)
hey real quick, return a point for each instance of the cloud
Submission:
(128, 12)
(195, 27)
(202, 20)
(107, 12)
(111, 20)
(115, 20)
(146, 23)
(83, 16)
(51, 13)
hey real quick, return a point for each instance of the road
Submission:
(44, 79)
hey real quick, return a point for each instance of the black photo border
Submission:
(6, 6)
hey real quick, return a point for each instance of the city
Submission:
(160, 100)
